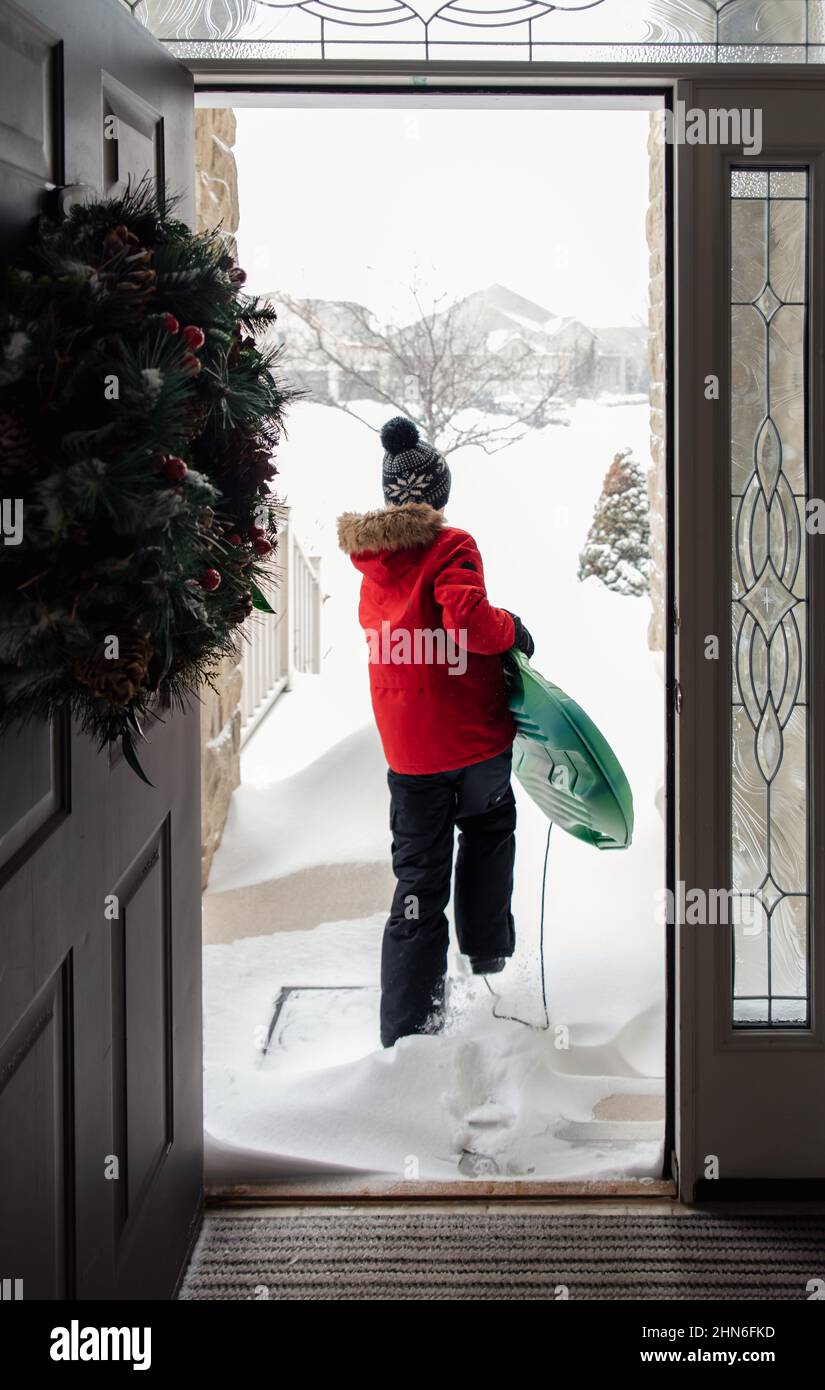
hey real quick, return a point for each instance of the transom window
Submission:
(610, 31)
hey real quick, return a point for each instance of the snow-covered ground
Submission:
(314, 792)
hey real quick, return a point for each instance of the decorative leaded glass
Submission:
(655, 31)
(768, 451)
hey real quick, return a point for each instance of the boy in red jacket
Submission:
(437, 684)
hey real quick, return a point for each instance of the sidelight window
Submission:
(769, 613)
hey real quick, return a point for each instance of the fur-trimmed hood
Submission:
(392, 528)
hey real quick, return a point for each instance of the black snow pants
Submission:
(424, 811)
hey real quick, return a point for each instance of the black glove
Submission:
(523, 641)
(512, 678)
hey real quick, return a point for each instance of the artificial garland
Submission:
(138, 417)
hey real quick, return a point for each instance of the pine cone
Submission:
(119, 239)
(16, 453)
(137, 282)
(244, 463)
(128, 268)
(116, 679)
(242, 609)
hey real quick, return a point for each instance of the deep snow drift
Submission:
(314, 793)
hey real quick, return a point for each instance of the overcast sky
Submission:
(355, 204)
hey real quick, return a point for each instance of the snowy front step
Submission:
(599, 1132)
(620, 1118)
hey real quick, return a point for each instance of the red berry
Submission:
(256, 532)
(210, 580)
(174, 468)
(237, 276)
(261, 546)
(170, 323)
(194, 337)
(234, 539)
(192, 363)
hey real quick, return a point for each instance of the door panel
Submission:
(750, 747)
(37, 798)
(100, 1041)
(30, 116)
(37, 1158)
(141, 976)
(135, 143)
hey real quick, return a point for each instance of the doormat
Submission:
(306, 1017)
(338, 1255)
(296, 994)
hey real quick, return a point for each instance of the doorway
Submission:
(556, 1071)
(748, 1089)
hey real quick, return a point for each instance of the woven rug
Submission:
(501, 1256)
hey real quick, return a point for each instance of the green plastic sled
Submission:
(565, 764)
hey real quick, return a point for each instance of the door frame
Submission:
(347, 90)
(260, 82)
(716, 1059)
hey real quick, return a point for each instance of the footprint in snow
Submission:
(481, 1124)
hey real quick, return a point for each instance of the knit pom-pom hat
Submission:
(412, 470)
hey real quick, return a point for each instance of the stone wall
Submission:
(220, 757)
(657, 477)
(216, 173)
(216, 183)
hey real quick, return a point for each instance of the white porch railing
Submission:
(290, 641)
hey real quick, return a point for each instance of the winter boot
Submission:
(487, 965)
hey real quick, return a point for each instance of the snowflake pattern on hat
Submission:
(413, 471)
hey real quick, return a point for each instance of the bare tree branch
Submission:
(437, 369)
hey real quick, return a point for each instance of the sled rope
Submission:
(512, 1018)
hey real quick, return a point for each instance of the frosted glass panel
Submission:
(749, 183)
(762, 22)
(664, 31)
(769, 720)
(787, 185)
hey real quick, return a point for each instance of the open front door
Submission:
(751, 594)
(100, 1045)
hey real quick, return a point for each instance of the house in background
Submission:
(312, 330)
(621, 360)
(543, 347)
(338, 351)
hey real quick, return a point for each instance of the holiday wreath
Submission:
(138, 416)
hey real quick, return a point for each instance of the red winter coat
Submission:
(424, 582)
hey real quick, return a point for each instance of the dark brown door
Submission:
(750, 751)
(100, 1042)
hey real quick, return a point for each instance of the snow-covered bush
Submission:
(617, 549)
